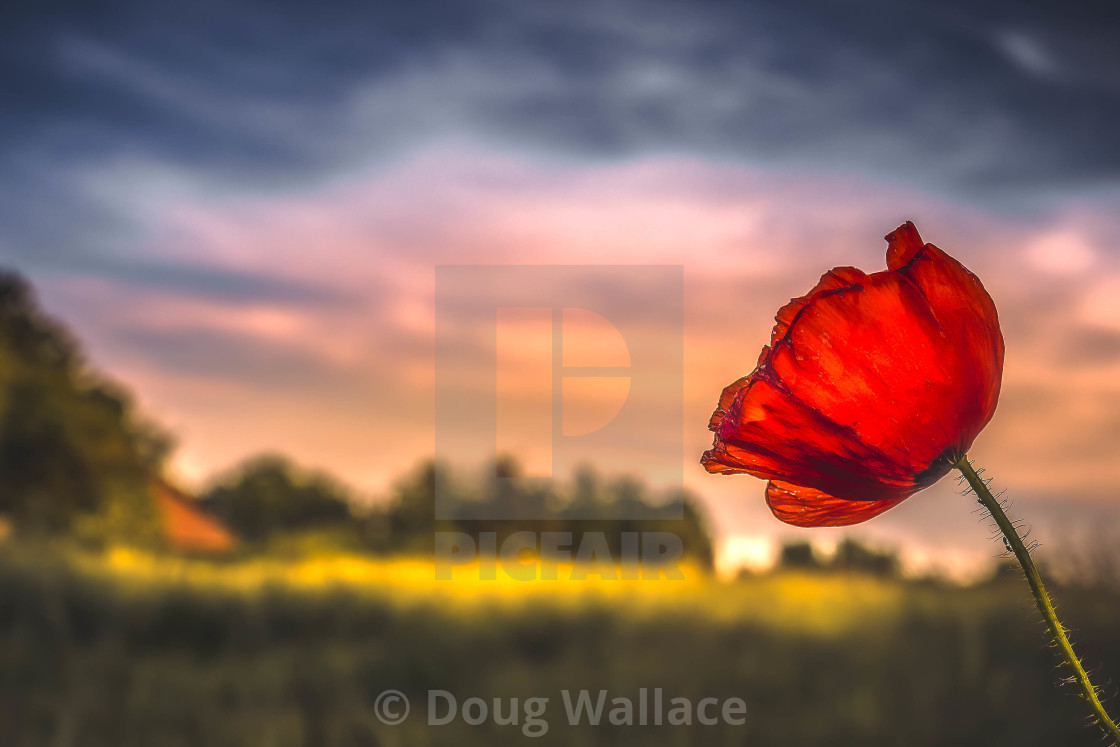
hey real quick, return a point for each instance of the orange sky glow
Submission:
(341, 377)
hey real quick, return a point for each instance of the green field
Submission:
(122, 649)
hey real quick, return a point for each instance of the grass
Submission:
(807, 602)
(124, 648)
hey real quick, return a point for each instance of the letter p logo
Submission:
(560, 366)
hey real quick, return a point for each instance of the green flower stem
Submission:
(1041, 597)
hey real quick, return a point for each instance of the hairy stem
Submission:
(1041, 597)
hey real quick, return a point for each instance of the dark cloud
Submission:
(998, 102)
(1091, 346)
(974, 95)
(213, 354)
(227, 286)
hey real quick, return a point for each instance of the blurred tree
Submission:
(407, 523)
(798, 556)
(267, 494)
(588, 503)
(851, 556)
(72, 449)
(856, 557)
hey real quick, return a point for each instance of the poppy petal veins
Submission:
(805, 507)
(870, 387)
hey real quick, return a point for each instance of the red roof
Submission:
(187, 527)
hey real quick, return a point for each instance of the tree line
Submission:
(77, 457)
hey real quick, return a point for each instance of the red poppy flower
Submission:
(871, 387)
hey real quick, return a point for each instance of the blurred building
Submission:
(188, 528)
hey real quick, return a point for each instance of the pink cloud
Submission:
(748, 240)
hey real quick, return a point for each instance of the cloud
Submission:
(1092, 347)
(214, 353)
(344, 308)
(1029, 54)
(948, 96)
(239, 205)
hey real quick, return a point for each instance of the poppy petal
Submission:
(869, 359)
(909, 361)
(769, 433)
(902, 244)
(834, 279)
(805, 507)
(972, 348)
(840, 401)
(871, 387)
(727, 397)
(725, 400)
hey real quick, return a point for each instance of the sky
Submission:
(239, 207)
